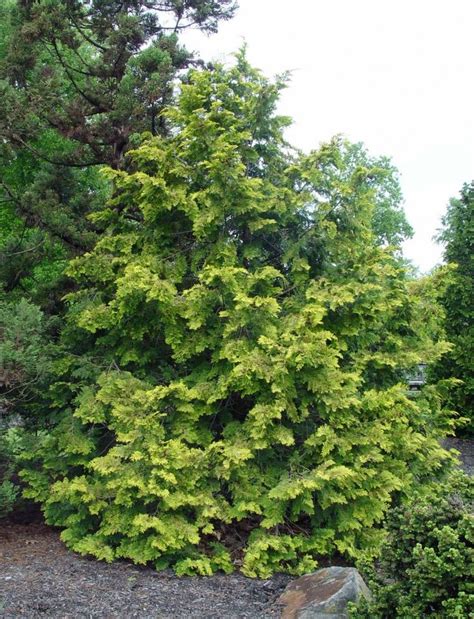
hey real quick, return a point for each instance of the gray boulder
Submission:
(323, 594)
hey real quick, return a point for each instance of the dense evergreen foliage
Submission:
(457, 298)
(77, 80)
(25, 357)
(205, 334)
(233, 392)
(426, 565)
(110, 64)
(8, 490)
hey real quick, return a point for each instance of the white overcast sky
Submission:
(396, 75)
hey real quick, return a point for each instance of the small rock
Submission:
(323, 594)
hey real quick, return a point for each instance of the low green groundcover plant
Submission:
(232, 393)
(427, 562)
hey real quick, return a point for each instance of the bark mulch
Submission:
(465, 446)
(39, 577)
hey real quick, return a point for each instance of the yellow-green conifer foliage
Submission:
(250, 411)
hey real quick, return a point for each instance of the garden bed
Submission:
(39, 577)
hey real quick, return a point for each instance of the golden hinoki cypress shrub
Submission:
(244, 338)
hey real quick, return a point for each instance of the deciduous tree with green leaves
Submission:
(253, 334)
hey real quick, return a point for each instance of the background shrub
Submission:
(427, 562)
(9, 451)
(25, 360)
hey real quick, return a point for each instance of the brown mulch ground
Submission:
(39, 577)
(465, 446)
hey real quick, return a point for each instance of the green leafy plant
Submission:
(8, 496)
(457, 298)
(25, 357)
(9, 449)
(426, 565)
(250, 336)
(77, 81)
(16, 443)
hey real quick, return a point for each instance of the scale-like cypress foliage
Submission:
(457, 299)
(251, 410)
